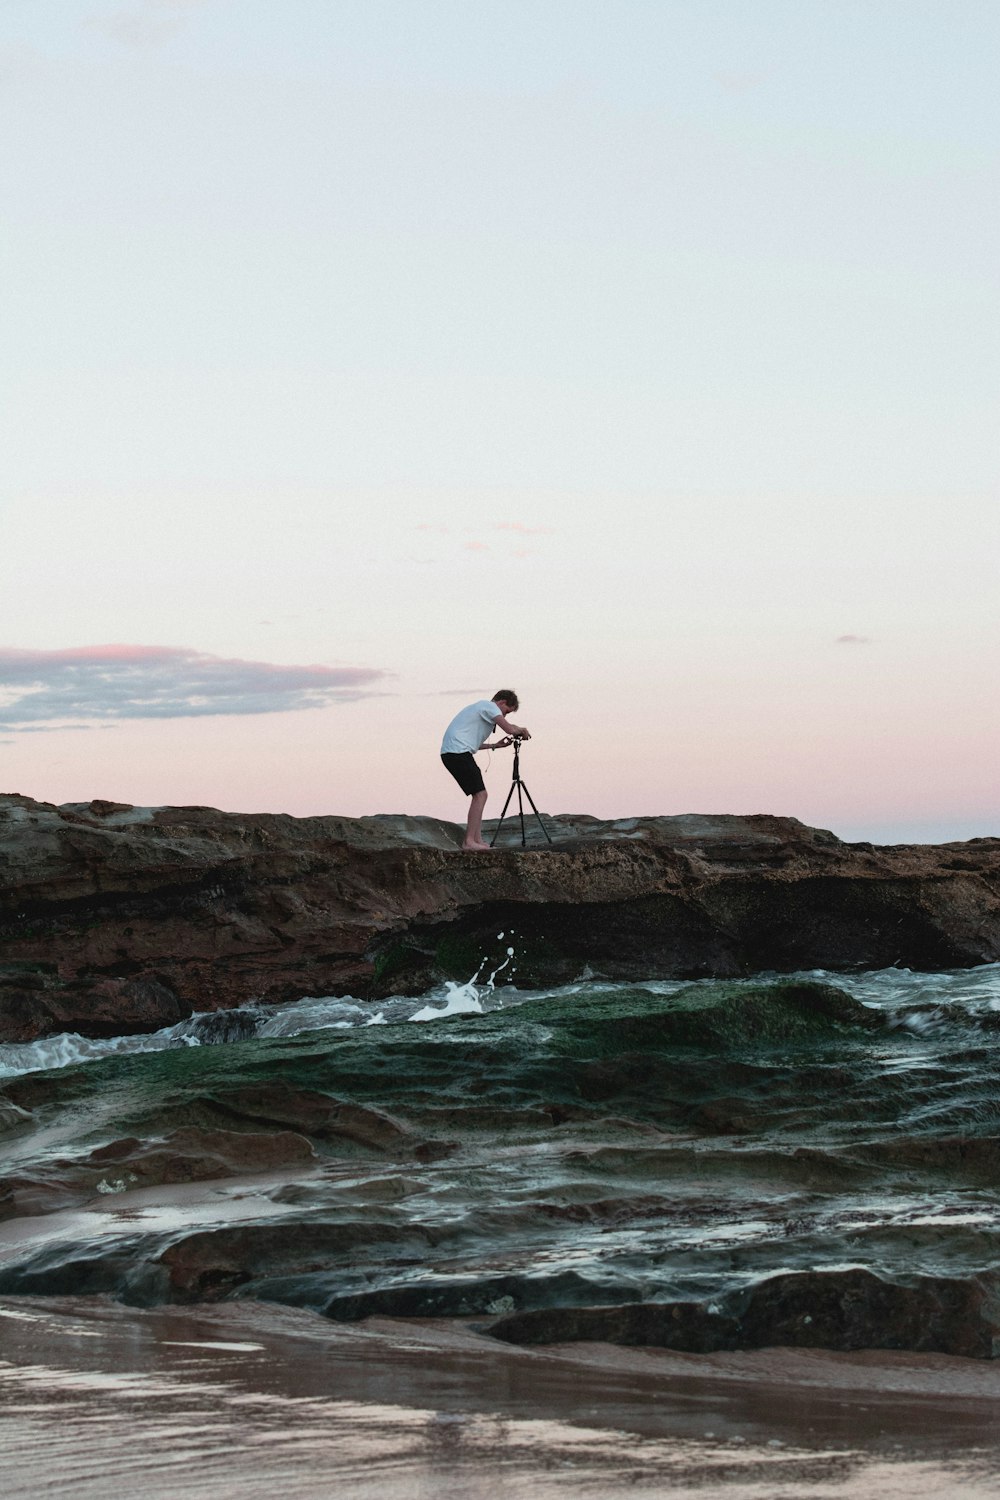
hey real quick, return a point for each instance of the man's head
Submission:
(506, 700)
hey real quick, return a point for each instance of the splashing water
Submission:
(470, 998)
(476, 996)
(921, 1003)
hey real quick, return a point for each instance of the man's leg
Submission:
(474, 827)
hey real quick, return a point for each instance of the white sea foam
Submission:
(69, 1049)
(896, 992)
(313, 1013)
(462, 1001)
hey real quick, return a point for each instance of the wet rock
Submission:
(360, 1192)
(223, 1026)
(200, 1155)
(972, 1158)
(606, 1211)
(820, 1310)
(492, 1119)
(116, 919)
(187, 1155)
(12, 1116)
(859, 1310)
(208, 1265)
(725, 1117)
(279, 1104)
(460, 1297)
(75, 1270)
(688, 1326)
(45, 1004)
(29, 1194)
(320, 1116)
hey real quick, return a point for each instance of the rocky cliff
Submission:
(115, 918)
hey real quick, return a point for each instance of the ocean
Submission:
(661, 1171)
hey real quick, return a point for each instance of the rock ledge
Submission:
(118, 919)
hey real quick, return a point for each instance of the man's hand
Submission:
(513, 730)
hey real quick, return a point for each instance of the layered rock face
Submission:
(116, 919)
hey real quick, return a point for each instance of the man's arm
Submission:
(514, 730)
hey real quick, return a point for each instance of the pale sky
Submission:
(363, 357)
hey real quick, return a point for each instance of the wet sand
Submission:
(251, 1399)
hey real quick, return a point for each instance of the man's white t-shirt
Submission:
(470, 728)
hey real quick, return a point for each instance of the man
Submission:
(468, 732)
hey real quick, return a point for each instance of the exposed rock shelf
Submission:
(116, 919)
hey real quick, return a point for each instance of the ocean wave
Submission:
(923, 1004)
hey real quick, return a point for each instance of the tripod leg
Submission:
(496, 832)
(537, 814)
(520, 809)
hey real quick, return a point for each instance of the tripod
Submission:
(519, 784)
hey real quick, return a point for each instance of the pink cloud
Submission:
(114, 651)
(45, 689)
(520, 527)
(144, 23)
(740, 83)
(476, 547)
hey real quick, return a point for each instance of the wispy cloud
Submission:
(854, 640)
(740, 83)
(50, 689)
(47, 728)
(144, 23)
(523, 530)
(471, 542)
(517, 526)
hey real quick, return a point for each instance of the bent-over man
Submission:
(468, 732)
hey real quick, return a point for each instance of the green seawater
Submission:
(594, 1146)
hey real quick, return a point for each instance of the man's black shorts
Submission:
(465, 771)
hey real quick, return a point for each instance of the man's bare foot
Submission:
(468, 845)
